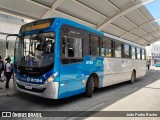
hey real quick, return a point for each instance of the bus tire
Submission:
(133, 76)
(89, 87)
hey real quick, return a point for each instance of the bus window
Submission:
(94, 44)
(118, 49)
(143, 54)
(138, 53)
(133, 52)
(103, 48)
(107, 47)
(126, 51)
(71, 49)
(29, 52)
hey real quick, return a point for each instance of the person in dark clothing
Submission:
(8, 71)
(148, 64)
(1, 66)
(1, 69)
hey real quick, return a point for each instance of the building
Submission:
(153, 51)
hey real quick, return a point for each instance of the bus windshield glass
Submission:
(35, 50)
(157, 61)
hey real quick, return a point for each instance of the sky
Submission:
(154, 9)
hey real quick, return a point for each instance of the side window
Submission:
(107, 47)
(133, 52)
(94, 45)
(126, 51)
(143, 54)
(138, 53)
(118, 49)
(71, 49)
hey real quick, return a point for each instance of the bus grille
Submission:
(32, 90)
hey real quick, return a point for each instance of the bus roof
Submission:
(29, 27)
(101, 33)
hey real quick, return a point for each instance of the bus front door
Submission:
(71, 79)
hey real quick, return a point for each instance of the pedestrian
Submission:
(7, 56)
(8, 71)
(148, 64)
(1, 68)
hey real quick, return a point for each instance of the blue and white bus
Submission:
(57, 58)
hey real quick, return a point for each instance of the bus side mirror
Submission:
(7, 42)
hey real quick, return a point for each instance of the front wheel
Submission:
(89, 87)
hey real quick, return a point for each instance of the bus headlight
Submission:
(51, 78)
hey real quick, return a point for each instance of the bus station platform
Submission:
(146, 99)
(6, 92)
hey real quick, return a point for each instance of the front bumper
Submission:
(49, 90)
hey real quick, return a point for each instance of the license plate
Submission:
(28, 86)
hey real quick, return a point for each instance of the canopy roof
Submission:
(128, 19)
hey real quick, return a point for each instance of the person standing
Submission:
(8, 71)
(148, 64)
(1, 68)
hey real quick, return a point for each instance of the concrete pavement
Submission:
(120, 97)
(145, 99)
(6, 92)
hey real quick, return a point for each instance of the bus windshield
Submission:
(157, 61)
(35, 50)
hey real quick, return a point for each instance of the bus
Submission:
(156, 62)
(57, 58)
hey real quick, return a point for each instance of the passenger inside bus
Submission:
(48, 53)
(38, 52)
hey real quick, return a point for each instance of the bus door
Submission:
(71, 64)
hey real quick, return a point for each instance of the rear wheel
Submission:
(133, 76)
(89, 87)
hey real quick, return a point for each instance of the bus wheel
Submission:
(89, 87)
(132, 77)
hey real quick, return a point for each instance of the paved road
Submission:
(102, 98)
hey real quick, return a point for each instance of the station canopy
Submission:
(128, 19)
